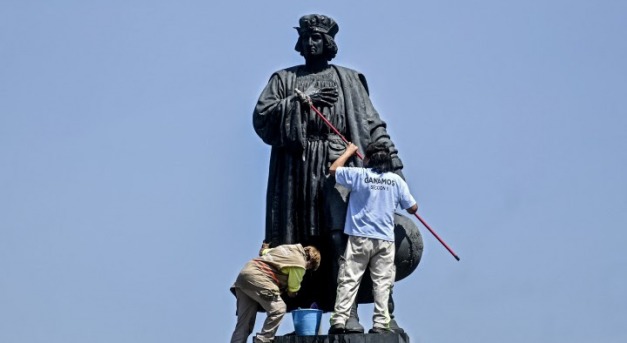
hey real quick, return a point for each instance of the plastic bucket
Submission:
(306, 321)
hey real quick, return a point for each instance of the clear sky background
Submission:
(132, 184)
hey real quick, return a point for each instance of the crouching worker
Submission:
(261, 282)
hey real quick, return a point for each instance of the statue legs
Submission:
(393, 324)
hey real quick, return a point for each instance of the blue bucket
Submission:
(307, 321)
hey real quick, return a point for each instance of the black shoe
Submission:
(353, 326)
(337, 329)
(397, 330)
(394, 327)
(379, 330)
(354, 330)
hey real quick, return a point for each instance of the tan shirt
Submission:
(279, 268)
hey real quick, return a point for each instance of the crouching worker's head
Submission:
(313, 257)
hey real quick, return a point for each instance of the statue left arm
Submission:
(378, 129)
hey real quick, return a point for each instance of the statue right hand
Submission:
(323, 97)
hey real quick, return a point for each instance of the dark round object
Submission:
(409, 246)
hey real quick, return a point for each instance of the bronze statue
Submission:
(303, 203)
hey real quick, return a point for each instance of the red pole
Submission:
(362, 157)
(334, 129)
(436, 236)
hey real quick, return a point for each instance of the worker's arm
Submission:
(341, 161)
(294, 278)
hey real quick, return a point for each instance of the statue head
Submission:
(317, 24)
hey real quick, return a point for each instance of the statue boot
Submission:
(393, 324)
(352, 324)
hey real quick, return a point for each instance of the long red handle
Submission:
(362, 157)
(436, 236)
(333, 128)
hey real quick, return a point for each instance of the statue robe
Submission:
(303, 204)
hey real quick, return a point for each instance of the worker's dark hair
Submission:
(378, 157)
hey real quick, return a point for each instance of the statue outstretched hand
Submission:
(320, 97)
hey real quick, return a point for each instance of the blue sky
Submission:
(132, 185)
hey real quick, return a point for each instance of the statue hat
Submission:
(317, 23)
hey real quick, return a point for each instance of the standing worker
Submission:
(375, 193)
(261, 282)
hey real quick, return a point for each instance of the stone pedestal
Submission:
(347, 338)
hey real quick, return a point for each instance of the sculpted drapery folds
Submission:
(303, 148)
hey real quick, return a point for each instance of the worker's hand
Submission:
(320, 97)
(264, 246)
(412, 209)
(351, 149)
(291, 294)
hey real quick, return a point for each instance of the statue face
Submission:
(312, 44)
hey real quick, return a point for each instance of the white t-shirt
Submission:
(374, 198)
